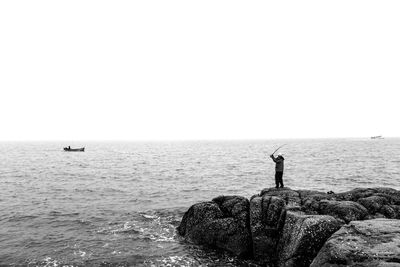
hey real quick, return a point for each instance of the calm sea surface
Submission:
(118, 204)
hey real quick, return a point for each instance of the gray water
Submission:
(118, 204)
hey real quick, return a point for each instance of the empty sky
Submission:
(155, 70)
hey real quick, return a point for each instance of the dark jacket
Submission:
(279, 163)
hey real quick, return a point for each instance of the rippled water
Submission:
(117, 204)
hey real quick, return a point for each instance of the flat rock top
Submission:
(373, 242)
(381, 237)
(378, 226)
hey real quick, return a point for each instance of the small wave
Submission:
(83, 222)
(115, 252)
(126, 228)
(170, 214)
(109, 189)
(190, 190)
(21, 217)
(30, 243)
(47, 262)
(84, 190)
(60, 214)
(128, 231)
(146, 227)
(80, 253)
(150, 216)
(83, 165)
(163, 238)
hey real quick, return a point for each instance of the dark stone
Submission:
(198, 214)
(291, 197)
(266, 219)
(390, 212)
(346, 210)
(373, 203)
(310, 200)
(222, 223)
(356, 194)
(236, 207)
(303, 236)
(391, 195)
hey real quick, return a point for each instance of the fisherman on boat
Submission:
(82, 149)
(278, 169)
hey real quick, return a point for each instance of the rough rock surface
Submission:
(380, 202)
(285, 227)
(266, 220)
(362, 243)
(303, 236)
(357, 204)
(291, 197)
(221, 223)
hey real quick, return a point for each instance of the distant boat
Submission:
(377, 137)
(82, 149)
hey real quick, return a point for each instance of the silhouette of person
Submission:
(278, 169)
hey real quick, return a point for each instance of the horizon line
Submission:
(191, 139)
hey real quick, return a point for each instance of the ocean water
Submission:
(118, 204)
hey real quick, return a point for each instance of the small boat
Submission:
(377, 137)
(82, 149)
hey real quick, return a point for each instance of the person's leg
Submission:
(276, 179)
(280, 179)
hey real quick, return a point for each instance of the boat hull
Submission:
(74, 149)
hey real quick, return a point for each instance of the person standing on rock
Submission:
(278, 169)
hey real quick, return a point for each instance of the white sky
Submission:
(149, 70)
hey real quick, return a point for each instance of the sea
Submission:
(119, 203)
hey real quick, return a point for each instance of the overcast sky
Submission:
(156, 70)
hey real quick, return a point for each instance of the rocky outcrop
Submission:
(284, 227)
(221, 223)
(362, 243)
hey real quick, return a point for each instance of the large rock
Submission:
(236, 207)
(373, 203)
(362, 243)
(266, 220)
(303, 236)
(344, 210)
(222, 223)
(391, 211)
(310, 200)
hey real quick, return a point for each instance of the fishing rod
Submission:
(278, 148)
